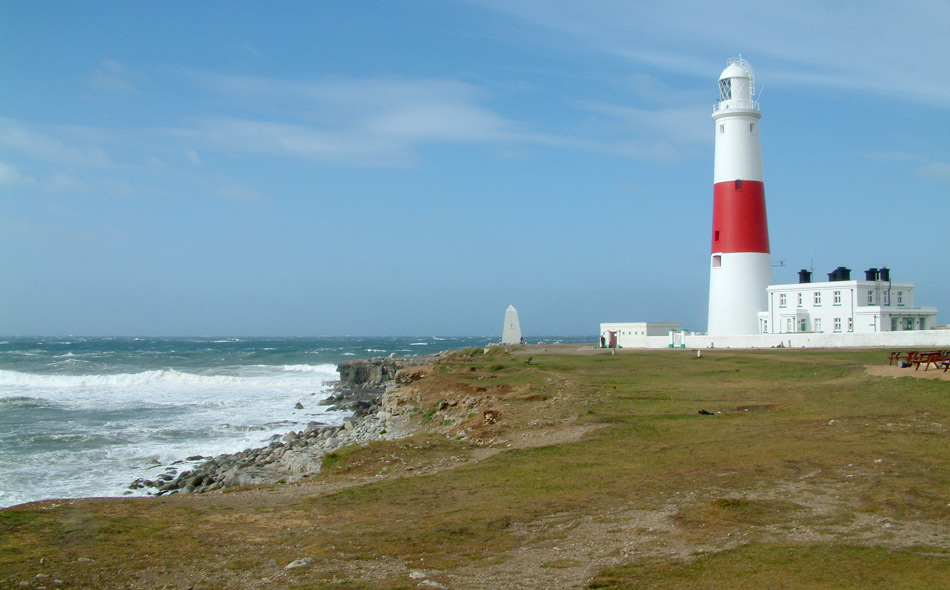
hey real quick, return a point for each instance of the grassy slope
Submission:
(809, 474)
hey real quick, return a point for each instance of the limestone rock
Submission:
(298, 563)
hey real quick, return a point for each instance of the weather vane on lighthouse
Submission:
(740, 265)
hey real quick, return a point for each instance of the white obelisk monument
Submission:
(511, 334)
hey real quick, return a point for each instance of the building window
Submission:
(818, 324)
(887, 297)
(837, 297)
(837, 324)
(781, 300)
(799, 300)
(870, 297)
(765, 326)
(900, 298)
(817, 298)
(851, 324)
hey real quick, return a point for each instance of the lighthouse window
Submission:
(738, 184)
(722, 129)
(752, 128)
(725, 89)
(717, 261)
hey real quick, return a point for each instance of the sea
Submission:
(83, 417)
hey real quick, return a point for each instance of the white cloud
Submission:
(892, 156)
(254, 51)
(49, 146)
(366, 122)
(385, 121)
(9, 175)
(935, 171)
(192, 156)
(66, 183)
(295, 140)
(440, 122)
(685, 125)
(236, 191)
(58, 181)
(111, 77)
(890, 48)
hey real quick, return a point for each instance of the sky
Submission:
(409, 167)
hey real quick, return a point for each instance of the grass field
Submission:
(536, 469)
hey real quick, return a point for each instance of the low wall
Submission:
(909, 339)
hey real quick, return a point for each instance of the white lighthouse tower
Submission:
(740, 266)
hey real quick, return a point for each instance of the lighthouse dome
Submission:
(734, 70)
(736, 87)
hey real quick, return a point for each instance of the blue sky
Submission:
(408, 167)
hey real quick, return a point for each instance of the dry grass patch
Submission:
(831, 567)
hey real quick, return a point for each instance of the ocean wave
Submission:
(164, 377)
(308, 368)
(22, 402)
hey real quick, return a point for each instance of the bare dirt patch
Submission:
(895, 371)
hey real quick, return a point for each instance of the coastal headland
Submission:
(547, 467)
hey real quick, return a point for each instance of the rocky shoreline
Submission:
(361, 390)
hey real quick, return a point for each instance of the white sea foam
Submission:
(103, 431)
(327, 369)
(166, 377)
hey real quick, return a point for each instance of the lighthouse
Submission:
(740, 264)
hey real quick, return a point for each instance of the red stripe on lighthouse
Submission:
(739, 222)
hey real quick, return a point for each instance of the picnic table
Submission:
(906, 358)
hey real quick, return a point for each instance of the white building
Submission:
(636, 334)
(844, 306)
